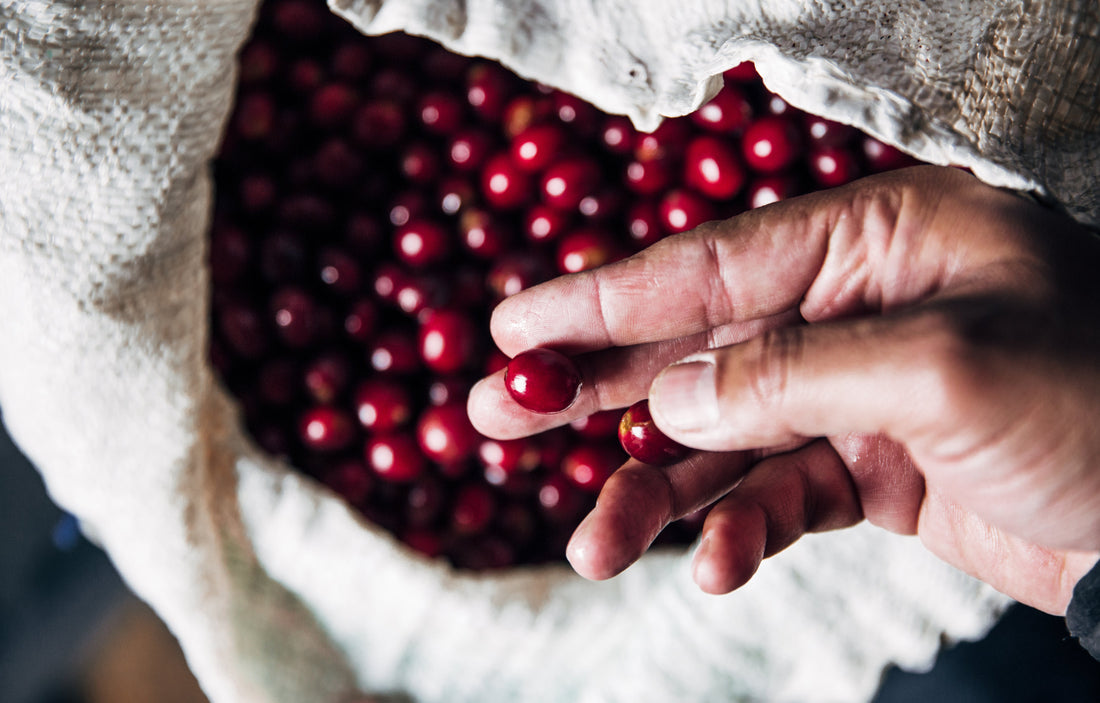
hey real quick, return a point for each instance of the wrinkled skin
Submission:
(915, 349)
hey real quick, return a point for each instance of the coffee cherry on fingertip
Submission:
(643, 440)
(543, 380)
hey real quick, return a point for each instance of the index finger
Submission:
(758, 264)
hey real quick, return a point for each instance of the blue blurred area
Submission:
(56, 589)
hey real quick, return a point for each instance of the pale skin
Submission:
(916, 349)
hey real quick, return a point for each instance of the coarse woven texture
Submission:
(1007, 88)
(109, 115)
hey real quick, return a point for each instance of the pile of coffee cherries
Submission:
(377, 196)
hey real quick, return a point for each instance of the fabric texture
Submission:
(110, 113)
(1083, 613)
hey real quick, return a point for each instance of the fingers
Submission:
(755, 265)
(613, 378)
(681, 286)
(638, 501)
(781, 499)
(915, 376)
(1037, 576)
(774, 502)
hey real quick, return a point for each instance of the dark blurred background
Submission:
(71, 632)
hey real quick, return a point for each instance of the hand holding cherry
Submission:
(915, 349)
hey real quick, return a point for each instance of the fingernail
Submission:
(698, 560)
(685, 396)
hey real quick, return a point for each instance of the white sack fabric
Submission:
(110, 113)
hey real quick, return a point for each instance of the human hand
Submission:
(917, 349)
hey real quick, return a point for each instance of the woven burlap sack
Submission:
(110, 113)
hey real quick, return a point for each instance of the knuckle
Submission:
(768, 364)
(956, 359)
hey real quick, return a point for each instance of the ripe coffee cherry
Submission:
(536, 147)
(448, 341)
(277, 381)
(379, 124)
(517, 271)
(771, 189)
(582, 117)
(420, 293)
(560, 500)
(667, 141)
(351, 480)
(488, 89)
(333, 105)
(243, 330)
(258, 193)
(296, 316)
(543, 380)
(586, 248)
(395, 352)
(326, 377)
(394, 457)
(643, 440)
(503, 184)
(446, 436)
(351, 61)
(440, 112)
(643, 222)
(588, 466)
(770, 144)
(602, 205)
(523, 111)
(326, 429)
(481, 234)
(337, 165)
(618, 135)
(339, 271)
(424, 542)
(387, 281)
(743, 72)
(230, 253)
(361, 320)
(566, 183)
(648, 176)
(258, 62)
(448, 389)
(599, 425)
(832, 166)
(823, 132)
(727, 112)
(383, 405)
(511, 456)
(255, 116)
(305, 75)
(473, 509)
(682, 209)
(425, 501)
(543, 223)
(299, 20)
(711, 167)
(883, 157)
(420, 163)
(421, 243)
(469, 149)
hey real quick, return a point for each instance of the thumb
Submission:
(905, 375)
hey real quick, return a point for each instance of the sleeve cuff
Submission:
(1083, 612)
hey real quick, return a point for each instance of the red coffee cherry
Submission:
(543, 380)
(643, 440)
